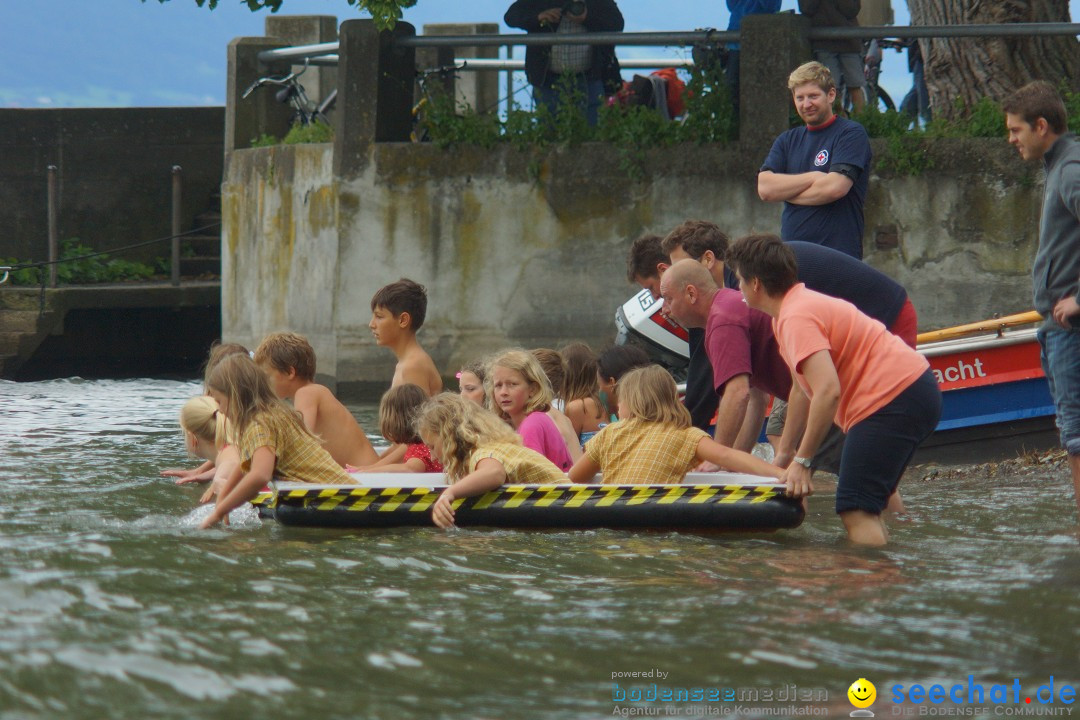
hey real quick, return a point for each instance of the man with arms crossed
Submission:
(1037, 123)
(821, 171)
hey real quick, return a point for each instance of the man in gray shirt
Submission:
(1037, 123)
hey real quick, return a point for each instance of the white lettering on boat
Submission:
(960, 371)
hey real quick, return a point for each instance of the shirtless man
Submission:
(289, 361)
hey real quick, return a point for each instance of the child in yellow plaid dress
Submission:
(478, 451)
(272, 439)
(654, 442)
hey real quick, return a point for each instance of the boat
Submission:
(996, 402)
(702, 502)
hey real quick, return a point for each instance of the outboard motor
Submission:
(640, 322)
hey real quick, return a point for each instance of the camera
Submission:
(574, 7)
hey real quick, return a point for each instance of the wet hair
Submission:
(397, 411)
(811, 72)
(218, 352)
(1036, 100)
(200, 418)
(553, 365)
(618, 359)
(460, 426)
(767, 258)
(526, 365)
(249, 395)
(403, 296)
(645, 254)
(649, 394)
(581, 370)
(286, 351)
(695, 237)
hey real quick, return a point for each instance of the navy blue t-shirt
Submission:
(839, 224)
(834, 273)
(701, 398)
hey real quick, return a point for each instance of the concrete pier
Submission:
(130, 330)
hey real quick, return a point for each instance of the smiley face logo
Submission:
(862, 693)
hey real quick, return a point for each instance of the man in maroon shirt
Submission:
(739, 341)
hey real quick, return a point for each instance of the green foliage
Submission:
(710, 114)
(633, 130)
(79, 270)
(315, 132)
(1072, 108)
(447, 124)
(385, 13)
(265, 140)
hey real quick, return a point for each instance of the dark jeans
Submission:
(879, 447)
(589, 92)
(917, 102)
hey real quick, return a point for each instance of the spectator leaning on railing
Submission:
(590, 71)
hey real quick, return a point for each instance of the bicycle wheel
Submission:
(884, 101)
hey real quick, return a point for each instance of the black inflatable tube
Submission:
(698, 507)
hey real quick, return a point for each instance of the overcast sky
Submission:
(120, 53)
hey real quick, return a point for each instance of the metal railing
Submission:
(320, 52)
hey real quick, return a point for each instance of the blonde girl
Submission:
(272, 440)
(206, 471)
(478, 451)
(581, 390)
(206, 436)
(471, 382)
(519, 393)
(654, 442)
(397, 411)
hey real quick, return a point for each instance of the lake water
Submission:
(112, 604)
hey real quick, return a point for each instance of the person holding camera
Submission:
(587, 72)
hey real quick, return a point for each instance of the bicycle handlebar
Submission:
(283, 80)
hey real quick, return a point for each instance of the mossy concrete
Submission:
(514, 256)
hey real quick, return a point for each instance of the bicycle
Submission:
(305, 112)
(421, 132)
(872, 57)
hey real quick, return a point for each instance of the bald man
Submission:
(740, 345)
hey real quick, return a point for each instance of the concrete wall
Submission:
(516, 251)
(114, 174)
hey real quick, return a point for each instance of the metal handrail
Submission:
(686, 38)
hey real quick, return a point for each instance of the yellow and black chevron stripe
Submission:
(711, 506)
(513, 496)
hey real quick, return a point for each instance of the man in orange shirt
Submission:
(849, 369)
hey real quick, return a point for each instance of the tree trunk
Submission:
(960, 71)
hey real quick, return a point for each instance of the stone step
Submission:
(18, 320)
(205, 218)
(200, 265)
(204, 245)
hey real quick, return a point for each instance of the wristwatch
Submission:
(805, 462)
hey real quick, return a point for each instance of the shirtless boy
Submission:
(289, 361)
(397, 313)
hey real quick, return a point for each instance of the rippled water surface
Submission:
(112, 604)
